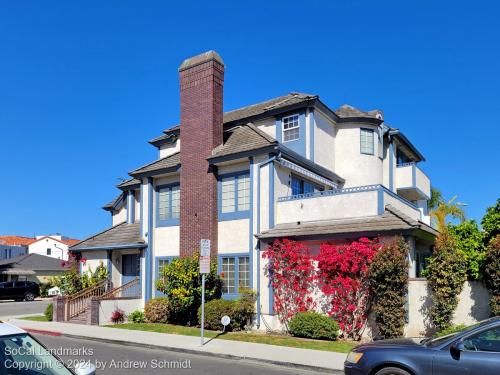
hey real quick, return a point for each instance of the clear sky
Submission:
(85, 84)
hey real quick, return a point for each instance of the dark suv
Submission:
(19, 290)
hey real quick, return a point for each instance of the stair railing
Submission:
(129, 289)
(77, 303)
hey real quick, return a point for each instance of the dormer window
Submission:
(367, 145)
(291, 128)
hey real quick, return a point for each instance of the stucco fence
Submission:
(473, 306)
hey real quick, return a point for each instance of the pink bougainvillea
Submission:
(292, 276)
(343, 275)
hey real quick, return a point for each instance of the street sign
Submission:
(204, 265)
(205, 248)
(225, 320)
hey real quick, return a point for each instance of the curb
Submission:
(189, 351)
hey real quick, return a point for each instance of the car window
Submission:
(486, 341)
(20, 284)
(7, 284)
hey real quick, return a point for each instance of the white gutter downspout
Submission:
(260, 165)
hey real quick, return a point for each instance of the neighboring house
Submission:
(31, 267)
(12, 251)
(55, 246)
(289, 167)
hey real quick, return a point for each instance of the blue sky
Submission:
(84, 85)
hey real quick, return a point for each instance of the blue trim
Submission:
(312, 127)
(271, 195)
(279, 131)
(391, 166)
(168, 222)
(149, 250)
(250, 224)
(157, 261)
(414, 176)
(236, 271)
(109, 265)
(380, 201)
(141, 210)
(223, 216)
(298, 145)
(130, 207)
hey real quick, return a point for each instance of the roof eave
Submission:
(243, 154)
(111, 247)
(397, 133)
(140, 175)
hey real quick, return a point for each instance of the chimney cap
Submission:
(200, 59)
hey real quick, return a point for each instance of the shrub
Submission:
(44, 288)
(241, 312)
(446, 274)
(136, 316)
(314, 326)
(180, 281)
(492, 274)
(292, 276)
(343, 272)
(491, 222)
(157, 310)
(49, 311)
(470, 241)
(117, 316)
(389, 282)
(451, 329)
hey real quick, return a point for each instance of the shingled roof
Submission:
(391, 220)
(34, 262)
(126, 185)
(169, 162)
(123, 234)
(348, 112)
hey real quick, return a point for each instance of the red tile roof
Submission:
(26, 241)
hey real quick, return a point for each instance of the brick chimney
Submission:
(201, 81)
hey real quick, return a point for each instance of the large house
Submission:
(288, 167)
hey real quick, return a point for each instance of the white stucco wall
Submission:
(58, 250)
(119, 216)
(267, 125)
(324, 141)
(233, 236)
(414, 213)
(341, 206)
(356, 168)
(94, 259)
(107, 307)
(166, 241)
(169, 149)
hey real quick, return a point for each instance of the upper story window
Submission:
(402, 158)
(291, 128)
(168, 205)
(367, 144)
(49, 251)
(234, 196)
(301, 186)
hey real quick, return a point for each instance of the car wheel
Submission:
(29, 296)
(392, 371)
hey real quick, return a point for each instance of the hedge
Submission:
(313, 325)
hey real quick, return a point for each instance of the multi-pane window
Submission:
(291, 128)
(168, 204)
(236, 274)
(367, 141)
(234, 194)
(300, 186)
(161, 263)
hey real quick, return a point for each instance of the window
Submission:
(168, 205)
(236, 274)
(234, 196)
(49, 251)
(486, 341)
(301, 186)
(366, 141)
(402, 158)
(161, 262)
(291, 128)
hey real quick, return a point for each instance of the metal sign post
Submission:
(204, 269)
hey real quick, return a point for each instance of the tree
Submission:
(436, 197)
(446, 274)
(343, 277)
(470, 241)
(492, 274)
(491, 222)
(389, 282)
(445, 209)
(292, 276)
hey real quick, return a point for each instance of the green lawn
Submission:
(35, 318)
(261, 338)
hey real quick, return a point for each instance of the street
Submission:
(11, 308)
(114, 359)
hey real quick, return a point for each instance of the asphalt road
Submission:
(118, 359)
(10, 308)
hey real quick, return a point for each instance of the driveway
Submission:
(11, 309)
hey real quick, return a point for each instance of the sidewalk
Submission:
(280, 355)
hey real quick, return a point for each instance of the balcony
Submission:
(356, 202)
(412, 183)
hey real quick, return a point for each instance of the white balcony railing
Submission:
(412, 183)
(356, 202)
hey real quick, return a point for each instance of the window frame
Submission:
(236, 257)
(283, 130)
(304, 181)
(169, 260)
(170, 221)
(372, 131)
(236, 214)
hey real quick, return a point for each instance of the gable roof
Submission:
(123, 234)
(391, 220)
(33, 262)
(16, 240)
(168, 164)
(347, 111)
(129, 184)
